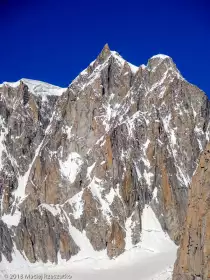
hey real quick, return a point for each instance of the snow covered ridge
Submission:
(134, 68)
(96, 68)
(42, 88)
(37, 87)
(160, 56)
(118, 58)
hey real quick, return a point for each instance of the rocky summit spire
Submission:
(103, 54)
(105, 51)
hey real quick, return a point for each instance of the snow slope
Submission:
(152, 259)
(135, 265)
(38, 87)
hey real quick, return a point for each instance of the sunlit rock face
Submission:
(193, 260)
(79, 166)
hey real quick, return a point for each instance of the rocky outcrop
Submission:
(193, 260)
(83, 163)
(6, 244)
(40, 235)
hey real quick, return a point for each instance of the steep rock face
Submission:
(194, 253)
(24, 119)
(118, 139)
(41, 235)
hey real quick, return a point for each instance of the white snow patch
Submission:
(71, 167)
(126, 73)
(160, 56)
(147, 177)
(103, 143)
(110, 112)
(160, 142)
(173, 138)
(130, 123)
(128, 229)
(38, 87)
(146, 144)
(67, 129)
(139, 176)
(84, 72)
(11, 84)
(77, 204)
(53, 209)
(153, 237)
(194, 112)
(146, 162)
(99, 140)
(200, 145)
(182, 178)
(166, 122)
(198, 130)
(91, 64)
(42, 88)
(90, 169)
(12, 220)
(96, 189)
(110, 196)
(154, 194)
(134, 68)
(207, 132)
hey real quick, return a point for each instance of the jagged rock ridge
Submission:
(83, 163)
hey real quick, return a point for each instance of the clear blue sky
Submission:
(53, 40)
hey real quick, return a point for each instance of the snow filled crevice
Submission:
(77, 204)
(181, 174)
(96, 188)
(89, 170)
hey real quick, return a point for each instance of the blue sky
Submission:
(54, 40)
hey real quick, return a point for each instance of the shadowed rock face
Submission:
(193, 260)
(83, 162)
